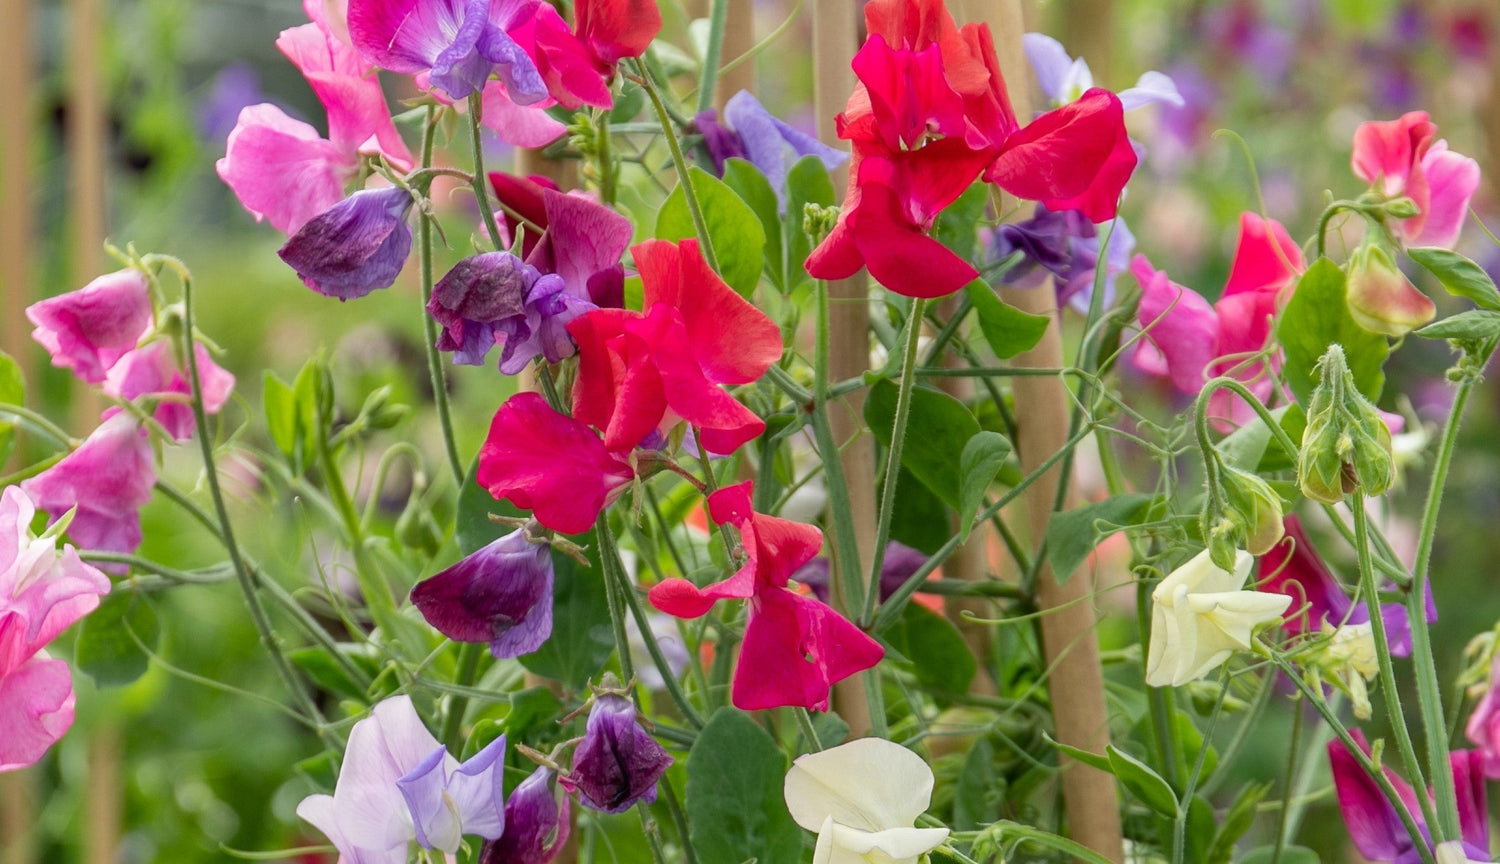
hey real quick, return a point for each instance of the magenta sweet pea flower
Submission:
(1400, 158)
(501, 594)
(88, 330)
(356, 246)
(152, 371)
(43, 591)
(108, 478)
(460, 43)
(536, 823)
(1483, 728)
(617, 763)
(398, 784)
(550, 464)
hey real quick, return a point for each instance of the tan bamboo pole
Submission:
(16, 223)
(1491, 119)
(739, 37)
(534, 163)
(101, 803)
(18, 817)
(1086, 29)
(835, 32)
(85, 149)
(1070, 642)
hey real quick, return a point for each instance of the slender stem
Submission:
(893, 457)
(804, 719)
(718, 14)
(607, 558)
(481, 191)
(679, 162)
(679, 818)
(652, 832)
(1291, 760)
(468, 664)
(39, 423)
(845, 544)
(429, 326)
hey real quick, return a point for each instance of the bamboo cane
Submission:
(1070, 642)
(86, 148)
(17, 817)
(739, 37)
(16, 222)
(835, 31)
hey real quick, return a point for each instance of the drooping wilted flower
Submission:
(356, 246)
(617, 763)
(501, 594)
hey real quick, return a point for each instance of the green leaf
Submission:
(1289, 855)
(935, 649)
(1473, 324)
(735, 802)
(326, 672)
(12, 392)
(977, 465)
(473, 529)
(807, 183)
(1008, 330)
(1237, 821)
(830, 728)
(105, 650)
(975, 802)
(1093, 760)
(1143, 782)
(920, 519)
(582, 638)
(753, 188)
(732, 226)
(1073, 534)
(1318, 316)
(529, 709)
(1199, 833)
(936, 432)
(957, 224)
(281, 412)
(1462, 277)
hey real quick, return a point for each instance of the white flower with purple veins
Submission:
(1064, 79)
(398, 784)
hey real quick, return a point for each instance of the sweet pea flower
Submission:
(152, 371)
(43, 591)
(1374, 826)
(108, 478)
(899, 564)
(1381, 299)
(496, 297)
(862, 797)
(1064, 79)
(1400, 158)
(459, 43)
(550, 464)
(398, 784)
(1453, 852)
(1062, 244)
(577, 65)
(617, 763)
(573, 236)
(89, 329)
(356, 246)
(501, 594)
(795, 648)
(750, 132)
(1483, 728)
(1200, 616)
(536, 823)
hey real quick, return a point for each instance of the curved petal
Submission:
(1179, 322)
(1078, 153)
(280, 169)
(869, 783)
(36, 709)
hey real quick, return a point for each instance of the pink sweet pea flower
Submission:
(152, 371)
(358, 119)
(43, 591)
(795, 647)
(1483, 729)
(282, 170)
(88, 330)
(108, 478)
(1400, 158)
(550, 464)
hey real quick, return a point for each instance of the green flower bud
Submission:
(1346, 445)
(1401, 208)
(1381, 299)
(1254, 507)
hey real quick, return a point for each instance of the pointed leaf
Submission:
(735, 806)
(807, 183)
(1008, 330)
(737, 237)
(1073, 534)
(752, 187)
(1318, 316)
(1462, 277)
(936, 432)
(1473, 324)
(981, 460)
(1143, 782)
(106, 650)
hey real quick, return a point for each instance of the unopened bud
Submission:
(818, 221)
(1346, 445)
(1254, 507)
(1401, 208)
(1381, 299)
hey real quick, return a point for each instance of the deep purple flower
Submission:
(108, 478)
(751, 132)
(501, 594)
(356, 246)
(459, 42)
(536, 823)
(496, 298)
(88, 330)
(900, 562)
(1373, 823)
(1064, 245)
(617, 763)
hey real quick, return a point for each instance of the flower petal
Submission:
(869, 783)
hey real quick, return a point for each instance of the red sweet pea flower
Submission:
(795, 647)
(639, 371)
(616, 29)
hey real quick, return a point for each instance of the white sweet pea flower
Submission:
(1200, 617)
(863, 798)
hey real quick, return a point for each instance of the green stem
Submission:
(38, 423)
(679, 818)
(717, 16)
(845, 544)
(810, 732)
(429, 326)
(679, 162)
(893, 457)
(468, 664)
(607, 556)
(481, 192)
(1291, 760)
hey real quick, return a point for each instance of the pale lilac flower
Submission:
(617, 763)
(356, 246)
(108, 478)
(460, 43)
(398, 784)
(1064, 79)
(751, 132)
(501, 594)
(43, 591)
(152, 371)
(536, 823)
(88, 330)
(231, 90)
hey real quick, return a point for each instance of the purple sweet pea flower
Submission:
(542, 330)
(108, 478)
(235, 87)
(356, 246)
(617, 763)
(769, 143)
(1375, 827)
(88, 330)
(398, 784)
(536, 823)
(1064, 79)
(1064, 245)
(496, 298)
(501, 594)
(900, 562)
(459, 42)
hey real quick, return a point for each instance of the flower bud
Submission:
(1381, 299)
(1254, 508)
(1346, 655)
(1346, 445)
(536, 823)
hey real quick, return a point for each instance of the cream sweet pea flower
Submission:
(1201, 616)
(862, 798)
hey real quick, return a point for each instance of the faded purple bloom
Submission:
(501, 594)
(1186, 125)
(1064, 79)
(1240, 29)
(108, 478)
(1373, 824)
(152, 371)
(1064, 245)
(900, 563)
(356, 246)
(89, 329)
(536, 823)
(617, 763)
(769, 143)
(399, 784)
(459, 42)
(542, 330)
(473, 297)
